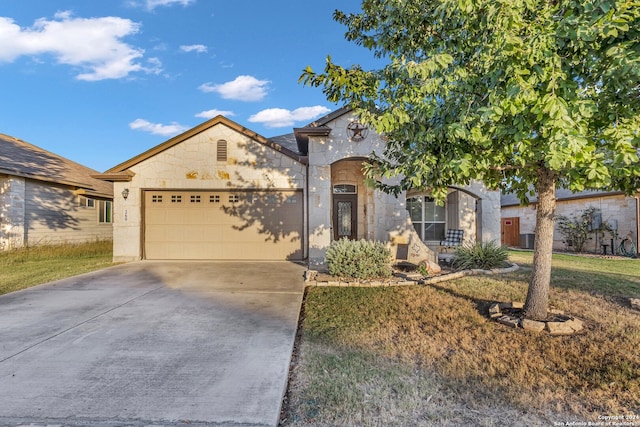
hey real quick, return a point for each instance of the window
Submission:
(176, 199)
(344, 189)
(221, 153)
(104, 211)
(214, 199)
(292, 200)
(195, 199)
(234, 198)
(156, 198)
(87, 202)
(428, 219)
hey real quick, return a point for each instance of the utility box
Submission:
(526, 241)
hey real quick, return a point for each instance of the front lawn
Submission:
(22, 268)
(429, 355)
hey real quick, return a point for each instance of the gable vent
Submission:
(221, 151)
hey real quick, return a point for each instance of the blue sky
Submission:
(99, 82)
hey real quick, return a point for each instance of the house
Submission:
(221, 191)
(620, 212)
(46, 198)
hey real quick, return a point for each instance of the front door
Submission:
(345, 216)
(510, 230)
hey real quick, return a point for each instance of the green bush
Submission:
(484, 256)
(359, 259)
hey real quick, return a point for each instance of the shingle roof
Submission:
(287, 141)
(511, 199)
(22, 159)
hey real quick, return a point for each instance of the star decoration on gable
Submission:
(357, 132)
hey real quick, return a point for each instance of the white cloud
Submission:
(243, 88)
(279, 117)
(210, 114)
(157, 128)
(198, 48)
(152, 4)
(92, 44)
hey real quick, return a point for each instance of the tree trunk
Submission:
(535, 306)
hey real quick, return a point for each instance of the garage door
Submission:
(261, 225)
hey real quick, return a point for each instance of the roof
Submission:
(287, 140)
(19, 158)
(511, 199)
(316, 128)
(121, 172)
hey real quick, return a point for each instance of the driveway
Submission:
(151, 343)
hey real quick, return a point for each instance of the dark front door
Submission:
(345, 216)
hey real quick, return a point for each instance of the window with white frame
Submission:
(104, 211)
(428, 219)
(87, 202)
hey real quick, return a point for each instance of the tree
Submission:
(521, 94)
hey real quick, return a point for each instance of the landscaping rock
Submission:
(635, 303)
(575, 324)
(310, 275)
(494, 311)
(510, 321)
(533, 325)
(559, 328)
(517, 305)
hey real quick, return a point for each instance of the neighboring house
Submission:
(221, 191)
(614, 208)
(45, 198)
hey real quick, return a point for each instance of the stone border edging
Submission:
(427, 281)
(566, 325)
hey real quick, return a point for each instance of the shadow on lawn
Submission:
(481, 305)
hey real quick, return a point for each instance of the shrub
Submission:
(359, 259)
(484, 256)
(576, 229)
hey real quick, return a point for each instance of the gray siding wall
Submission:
(35, 212)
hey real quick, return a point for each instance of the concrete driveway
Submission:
(151, 343)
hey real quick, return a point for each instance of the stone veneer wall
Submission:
(613, 207)
(387, 214)
(192, 165)
(384, 213)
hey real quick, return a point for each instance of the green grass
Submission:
(22, 268)
(607, 276)
(430, 356)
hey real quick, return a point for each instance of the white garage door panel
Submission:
(223, 225)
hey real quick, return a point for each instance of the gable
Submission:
(217, 154)
(194, 133)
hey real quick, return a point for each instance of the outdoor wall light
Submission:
(125, 193)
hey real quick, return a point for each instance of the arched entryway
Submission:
(351, 200)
